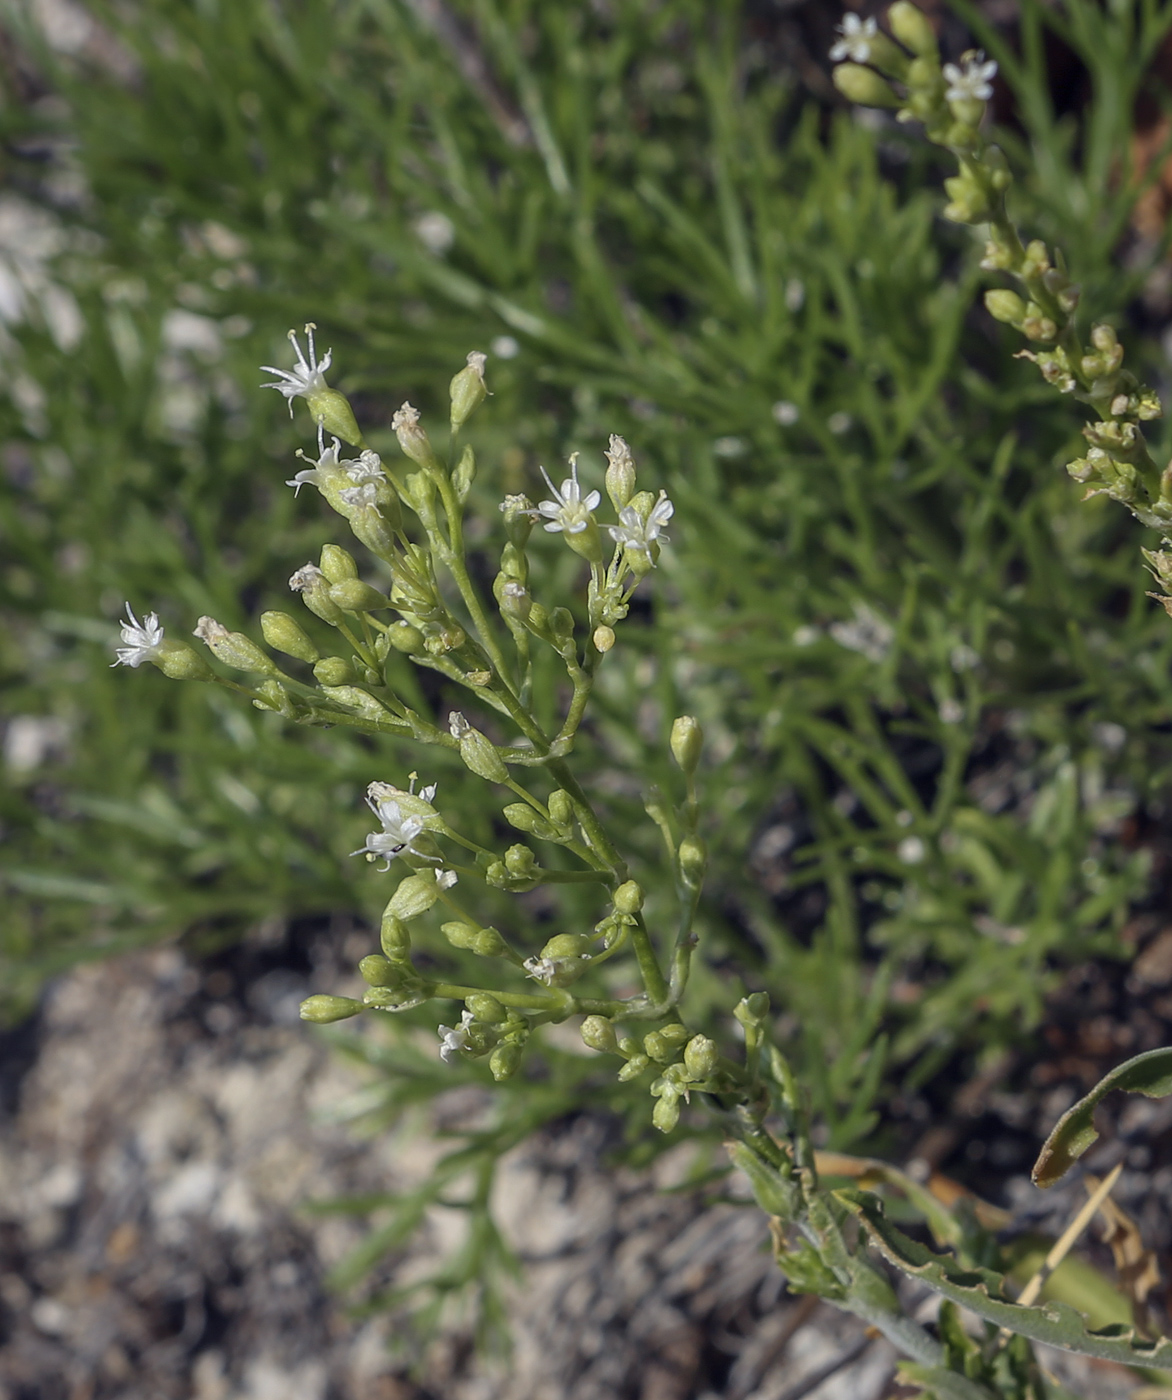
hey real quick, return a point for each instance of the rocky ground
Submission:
(165, 1122)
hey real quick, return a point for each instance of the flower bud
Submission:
(413, 440)
(233, 648)
(603, 639)
(598, 1034)
(369, 528)
(524, 818)
(700, 1057)
(561, 623)
(518, 513)
(323, 1009)
(478, 752)
(337, 563)
(377, 971)
(395, 937)
(620, 472)
(693, 859)
(467, 390)
(561, 807)
(464, 473)
(628, 898)
(489, 944)
(406, 638)
(567, 945)
(415, 896)
(658, 1048)
(666, 1113)
(334, 671)
(864, 86)
(912, 28)
(485, 1007)
(352, 595)
(633, 1068)
(505, 1060)
(1005, 306)
(513, 598)
(687, 739)
(284, 634)
(331, 410)
(520, 860)
(179, 662)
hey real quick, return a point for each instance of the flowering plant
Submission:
(432, 614)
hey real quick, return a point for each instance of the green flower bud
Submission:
(700, 1057)
(666, 1113)
(406, 638)
(518, 513)
(467, 390)
(323, 1009)
(753, 1009)
(524, 818)
(334, 671)
(408, 992)
(413, 440)
(378, 971)
(561, 626)
(520, 860)
(889, 58)
(459, 934)
(505, 1060)
(284, 634)
(513, 598)
(272, 695)
(659, 1048)
(415, 896)
(488, 943)
(693, 859)
(478, 752)
(395, 937)
(687, 739)
(598, 1034)
(620, 472)
(233, 648)
(370, 528)
(561, 808)
(912, 28)
(674, 1034)
(464, 474)
(337, 563)
(628, 898)
(1005, 306)
(633, 1068)
(864, 86)
(180, 663)
(567, 945)
(485, 1007)
(352, 595)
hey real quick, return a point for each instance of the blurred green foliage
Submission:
(933, 685)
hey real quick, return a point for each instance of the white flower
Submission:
(542, 969)
(869, 633)
(453, 1039)
(313, 476)
(567, 511)
(855, 43)
(141, 640)
(445, 879)
(358, 496)
(400, 829)
(973, 81)
(637, 533)
(307, 577)
(308, 377)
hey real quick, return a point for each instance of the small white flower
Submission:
(307, 577)
(911, 850)
(141, 640)
(855, 43)
(400, 829)
(541, 969)
(445, 879)
(357, 496)
(453, 1039)
(869, 633)
(313, 476)
(972, 81)
(309, 375)
(637, 533)
(568, 510)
